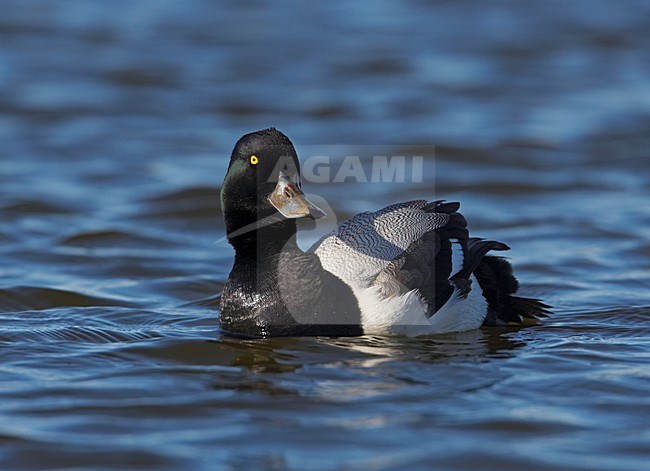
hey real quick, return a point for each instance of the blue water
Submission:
(117, 120)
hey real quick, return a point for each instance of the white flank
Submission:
(406, 314)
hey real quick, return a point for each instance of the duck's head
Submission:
(262, 184)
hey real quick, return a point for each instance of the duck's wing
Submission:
(413, 245)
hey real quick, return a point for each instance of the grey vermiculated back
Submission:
(361, 247)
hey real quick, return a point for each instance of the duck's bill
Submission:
(291, 202)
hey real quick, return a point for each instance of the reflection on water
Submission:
(117, 120)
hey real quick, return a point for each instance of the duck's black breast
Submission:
(289, 294)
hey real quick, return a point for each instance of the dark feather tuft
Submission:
(498, 283)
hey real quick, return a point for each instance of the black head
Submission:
(263, 183)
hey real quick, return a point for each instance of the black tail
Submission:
(494, 275)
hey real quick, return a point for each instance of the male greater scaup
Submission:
(410, 268)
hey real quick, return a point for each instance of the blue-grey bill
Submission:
(291, 202)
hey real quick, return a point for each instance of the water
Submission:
(116, 121)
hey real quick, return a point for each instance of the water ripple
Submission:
(23, 298)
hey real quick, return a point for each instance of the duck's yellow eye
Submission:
(254, 160)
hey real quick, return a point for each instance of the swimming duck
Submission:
(410, 268)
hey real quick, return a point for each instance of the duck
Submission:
(408, 269)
